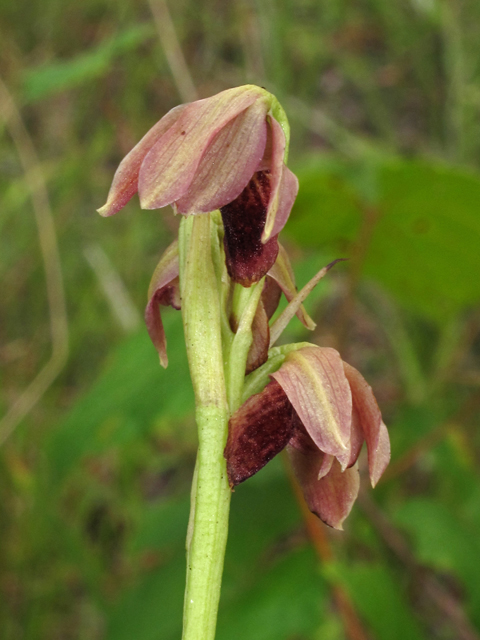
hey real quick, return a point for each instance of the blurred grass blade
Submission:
(48, 79)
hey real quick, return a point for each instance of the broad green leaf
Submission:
(425, 246)
(379, 599)
(442, 540)
(284, 602)
(417, 223)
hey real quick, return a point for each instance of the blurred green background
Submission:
(98, 443)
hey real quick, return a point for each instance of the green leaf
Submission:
(379, 599)
(153, 609)
(442, 540)
(284, 602)
(48, 79)
(425, 246)
(131, 395)
(417, 222)
(162, 525)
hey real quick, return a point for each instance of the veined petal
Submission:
(332, 496)
(125, 180)
(356, 437)
(326, 466)
(315, 383)
(276, 170)
(258, 431)
(258, 352)
(370, 419)
(282, 273)
(287, 193)
(163, 290)
(271, 295)
(247, 258)
(229, 162)
(170, 166)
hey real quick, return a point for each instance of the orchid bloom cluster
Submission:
(224, 159)
(227, 153)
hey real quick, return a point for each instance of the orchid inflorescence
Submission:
(225, 157)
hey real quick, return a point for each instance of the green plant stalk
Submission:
(208, 526)
(245, 303)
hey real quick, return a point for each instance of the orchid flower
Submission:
(322, 410)
(226, 152)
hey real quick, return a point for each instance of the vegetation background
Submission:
(98, 442)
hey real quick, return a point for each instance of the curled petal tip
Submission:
(163, 361)
(106, 210)
(334, 262)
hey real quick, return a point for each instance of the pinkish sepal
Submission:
(163, 290)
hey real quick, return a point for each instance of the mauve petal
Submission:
(258, 352)
(331, 498)
(247, 258)
(370, 418)
(258, 431)
(163, 290)
(271, 295)
(300, 438)
(303, 442)
(276, 170)
(315, 383)
(170, 166)
(382, 455)
(229, 162)
(287, 193)
(125, 180)
(326, 466)
(282, 273)
(356, 437)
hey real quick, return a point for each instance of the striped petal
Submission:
(276, 169)
(330, 496)
(370, 420)
(125, 180)
(229, 162)
(170, 166)
(315, 383)
(163, 290)
(287, 193)
(258, 352)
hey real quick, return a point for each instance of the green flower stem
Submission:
(245, 303)
(213, 350)
(208, 526)
(256, 381)
(223, 281)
